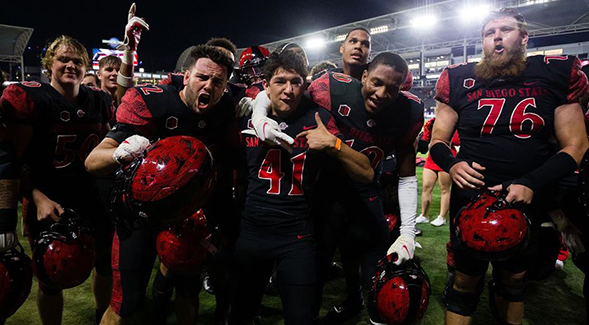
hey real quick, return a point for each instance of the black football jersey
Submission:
(279, 181)
(375, 136)
(64, 133)
(506, 124)
(157, 111)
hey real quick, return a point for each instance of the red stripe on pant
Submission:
(117, 288)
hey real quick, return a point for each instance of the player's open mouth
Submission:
(499, 48)
(357, 56)
(203, 100)
(373, 104)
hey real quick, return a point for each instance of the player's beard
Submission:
(190, 99)
(511, 63)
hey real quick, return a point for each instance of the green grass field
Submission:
(557, 301)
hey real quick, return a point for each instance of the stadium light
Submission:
(315, 43)
(474, 13)
(379, 29)
(424, 22)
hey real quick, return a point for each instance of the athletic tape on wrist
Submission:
(128, 57)
(125, 81)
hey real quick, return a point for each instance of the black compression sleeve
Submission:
(442, 156)
(553, 169)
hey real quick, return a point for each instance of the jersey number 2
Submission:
(517, 119)
(271, 170)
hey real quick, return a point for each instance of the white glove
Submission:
(266, 128)
(244, 107)
(8, 240)
(130, 149)
(404, 248)
(133, 29)
(571, 235)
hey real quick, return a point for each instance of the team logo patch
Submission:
(202, 124)
(370, 123)
(344, 110)
(282, 126)
(342, 77)
(80, 113)
(171, 122)
(468, 83)
(32, 84)
(64, 116)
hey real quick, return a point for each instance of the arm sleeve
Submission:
(133, 111)
(18, 105)
(443, 88)
(416, 122)
(427, 130)
(320, 92)
(578, 84)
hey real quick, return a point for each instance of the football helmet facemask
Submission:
(63, 256)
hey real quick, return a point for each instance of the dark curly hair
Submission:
(287, 60)
(392, 60)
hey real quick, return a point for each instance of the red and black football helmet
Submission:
(251, 61)
(185, 247)
(169, 182)
(63, 256)
(16, 279)
(492, 229)
(392, 221)
(401, 292)
(408, 84)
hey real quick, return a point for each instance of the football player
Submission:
(375, 118)
(54, 127)
(91, 80)
(217, 276)
(251, 63)
(108, 70)
(189, 106)
(276, 227)
(355, 51)
(505, 108)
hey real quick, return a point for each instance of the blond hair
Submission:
(47, 60)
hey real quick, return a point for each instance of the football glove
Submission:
(133, 29)
(130, 149)
(571, 235)
(404, 248)
(266, 128)
(8, 240)
(244, 107)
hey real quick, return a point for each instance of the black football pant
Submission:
(256, 254)
(360, 231)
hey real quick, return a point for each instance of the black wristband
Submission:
(120, 132)
(8, 220)
(553, 169)
(442, 156)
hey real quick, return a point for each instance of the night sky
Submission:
(175, 25)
